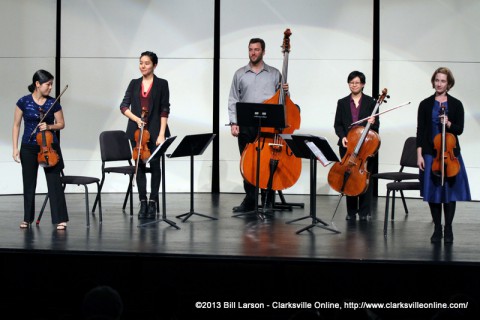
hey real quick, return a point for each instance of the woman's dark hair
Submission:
(151, 55)
(355, 74)
(41, 76)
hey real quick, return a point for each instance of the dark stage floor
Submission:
(162, 272)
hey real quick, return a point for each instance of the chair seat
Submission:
(396, 176)
(79, 180)
(124, 170)
(404, 185)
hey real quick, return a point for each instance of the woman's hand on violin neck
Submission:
(139, 122)
(344, 142)
(444, 120)
(371, 120)
(43, 126)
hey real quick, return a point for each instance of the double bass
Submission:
(279, 168)
(445, 164)
(350, 176)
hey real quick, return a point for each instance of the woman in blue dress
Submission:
(429, 124)
(29, 108)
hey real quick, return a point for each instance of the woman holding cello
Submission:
(146, 105)
(40, 147)
(351, 108)
(441, 119)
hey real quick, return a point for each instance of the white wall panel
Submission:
(124, 28)
(430, 30)
(28, 28)
(28, 44)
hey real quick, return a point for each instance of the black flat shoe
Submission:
(246, 205)
(142, 214)
(351, 217)
(152, 210)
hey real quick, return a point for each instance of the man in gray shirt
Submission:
(255, 82)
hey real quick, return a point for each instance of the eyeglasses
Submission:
(354, 83)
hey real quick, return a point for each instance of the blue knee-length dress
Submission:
(455, 188)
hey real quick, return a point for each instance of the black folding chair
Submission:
(115, 147)
(78, 180)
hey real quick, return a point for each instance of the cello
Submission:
(279, 169)
(445, 164)
(350, 176)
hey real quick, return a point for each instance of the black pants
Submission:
(361, 203)
(141, 177)
(245, 136)
(58, 206)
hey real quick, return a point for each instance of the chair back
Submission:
(114, 146)
(409, 153)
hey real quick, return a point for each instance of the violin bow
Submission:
(442, 112)
(377, 114)
(45, 114)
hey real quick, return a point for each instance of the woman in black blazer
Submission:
(353, 107)
(151, 93)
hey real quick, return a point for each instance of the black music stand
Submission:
(259, 115)
(161, 150)
(192, 145)
(298, 144)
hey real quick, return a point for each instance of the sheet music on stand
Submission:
(163, 145)
(319, 154)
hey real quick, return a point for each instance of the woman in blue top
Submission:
(29, 108)
(429, 124)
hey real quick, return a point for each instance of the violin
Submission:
(350, 176)
(278, 167)
(47, 157)
(445, 162)
(142, 137)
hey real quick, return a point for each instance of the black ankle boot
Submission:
(437, 234)
(448, 232)
(142, 214)
(152, 210)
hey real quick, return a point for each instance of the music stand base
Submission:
(191, 213)
(315, 223)
(258, 212)
(302, 218)
(170, 222)
(284, 205)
